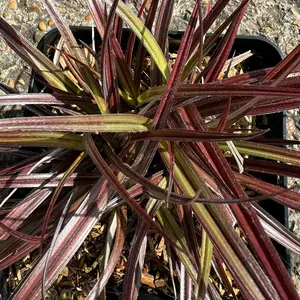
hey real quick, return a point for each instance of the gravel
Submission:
(278, 20)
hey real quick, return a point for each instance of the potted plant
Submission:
(148, 156)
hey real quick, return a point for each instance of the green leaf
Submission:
(266, 151)
(84, 123)
(145, 36)
(77, 52)
(206, 258)
(42, 139)
(220, 233)
(174, 231)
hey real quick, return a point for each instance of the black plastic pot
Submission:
(266, 55)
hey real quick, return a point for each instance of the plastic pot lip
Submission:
(52, 34)
(256, 43)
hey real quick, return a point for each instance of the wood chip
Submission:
(59, 279)
(81, 262)
(165, 256)
(148, 279)
(25, 258)
(66, 295)
(159, 248)
(173, 55)
(97, 261)
(160, 282)
(95, 234)
(65, 272)
(18, 273)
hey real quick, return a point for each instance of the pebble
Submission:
(61, 9)
(12, 4)
(296, 12)
(19, 18)
(272, 25)
(290, 127)
(35, 8)
(11, 83)
(51, 23)
(88, 17)
(297, 137)
(42, 26)
(297, 22)
(21, 81)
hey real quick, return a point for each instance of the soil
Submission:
(278, 20)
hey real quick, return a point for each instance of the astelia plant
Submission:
(151, 144)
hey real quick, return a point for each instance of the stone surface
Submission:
(31, 19)
(277, 20)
